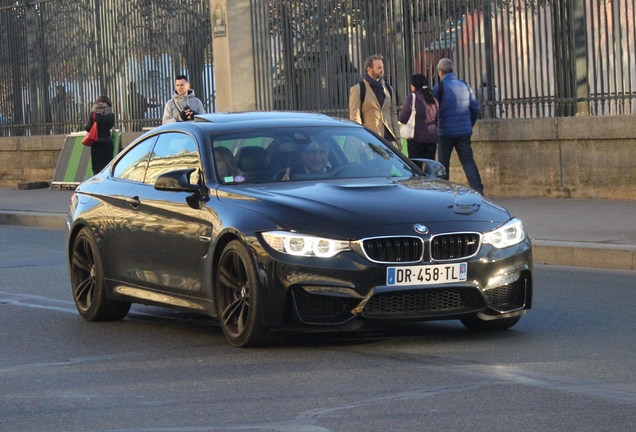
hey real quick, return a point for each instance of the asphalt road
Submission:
(567, 365)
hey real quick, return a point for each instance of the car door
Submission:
(116, 210)
(163, 229)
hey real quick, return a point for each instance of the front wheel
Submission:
(238, 297)
(87, 282)
(478, 324)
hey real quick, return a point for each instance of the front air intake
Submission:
(454, 246)
(394, 250)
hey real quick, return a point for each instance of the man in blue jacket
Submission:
(458, 112)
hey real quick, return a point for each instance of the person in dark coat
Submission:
(315, 160)
(424, 142)
(458, 112)
(136, 107)
(102, 151)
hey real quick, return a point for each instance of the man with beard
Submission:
(371, 101)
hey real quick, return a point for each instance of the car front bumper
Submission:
(335, 292)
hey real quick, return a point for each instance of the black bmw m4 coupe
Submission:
(280, 221)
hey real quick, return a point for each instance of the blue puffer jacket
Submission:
(459, 109)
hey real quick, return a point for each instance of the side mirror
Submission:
(177, 180)
(432, 168)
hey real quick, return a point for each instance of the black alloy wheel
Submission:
(238, 297)
(87, 282)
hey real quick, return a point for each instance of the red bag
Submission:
(91, 137)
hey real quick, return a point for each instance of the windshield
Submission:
(302, 154)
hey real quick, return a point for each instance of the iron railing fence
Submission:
(58, 56)
(547, 58)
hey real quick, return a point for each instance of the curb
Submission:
(558, 253)
(578, 254)
(32, 219)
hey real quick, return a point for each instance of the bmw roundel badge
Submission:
(420, 228)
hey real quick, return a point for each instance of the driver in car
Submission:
(314, 157)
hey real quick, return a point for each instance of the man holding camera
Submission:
(184, 105)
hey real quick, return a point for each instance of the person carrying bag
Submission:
(102, 120)
(407, 130)
(92, 136)
(421, 109)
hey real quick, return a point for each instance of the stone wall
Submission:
(575, 157)
(33, 159)
(29, 159)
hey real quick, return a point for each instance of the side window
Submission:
(173, 151)
(132, 166)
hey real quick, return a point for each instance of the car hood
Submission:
(350, 206)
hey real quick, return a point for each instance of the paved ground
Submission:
(586, 233)
(574, 232)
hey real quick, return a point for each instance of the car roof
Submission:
(268, 119)
(254, 120)
(231, 117)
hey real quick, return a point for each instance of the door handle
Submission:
(133, 201)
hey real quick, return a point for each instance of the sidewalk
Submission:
(582, 233)
(575, 232)
(40, 208)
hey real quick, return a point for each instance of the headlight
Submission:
(508, 235)
(304, 245)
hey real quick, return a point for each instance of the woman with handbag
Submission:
(423, 144)
(103, 149)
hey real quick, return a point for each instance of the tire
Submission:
(238, 293)
(477, 324)
(87, 282)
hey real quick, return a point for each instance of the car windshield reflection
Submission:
(292, 154)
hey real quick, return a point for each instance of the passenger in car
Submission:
(225, 162)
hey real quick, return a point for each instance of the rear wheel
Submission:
(478, 324)
(87, 282)
(238, 297)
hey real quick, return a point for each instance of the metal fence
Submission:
(58, 56)
(544, 58)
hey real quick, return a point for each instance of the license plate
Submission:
(426, 274)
